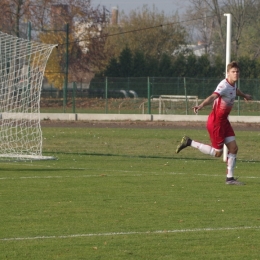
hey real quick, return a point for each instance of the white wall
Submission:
(142, 117)
(123, 117)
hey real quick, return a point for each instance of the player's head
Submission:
(232, 72)
(232, 65)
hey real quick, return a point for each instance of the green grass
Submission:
(124, 194)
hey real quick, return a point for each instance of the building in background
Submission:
(114, 16)
(198, 49)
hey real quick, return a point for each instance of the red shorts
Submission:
(218, 131)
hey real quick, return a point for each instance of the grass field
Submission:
(124, 194)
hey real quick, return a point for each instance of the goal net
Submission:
(22, 66)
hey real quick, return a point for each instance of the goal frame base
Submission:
(26, 157)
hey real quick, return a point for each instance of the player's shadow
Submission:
(137, 156)
(155, 157)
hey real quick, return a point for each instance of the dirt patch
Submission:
(143, 124)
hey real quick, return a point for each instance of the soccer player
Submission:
(218, 125)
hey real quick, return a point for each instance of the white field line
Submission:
(132, 174)
(217, 175)
(47, 177)
(130, 233)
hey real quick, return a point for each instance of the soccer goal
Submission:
(22, 66)
(173, 104)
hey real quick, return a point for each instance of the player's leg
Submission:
(231, 156)
(230, 142)
(213, 150)
(204, 148)
(231, 160)
(232, 148)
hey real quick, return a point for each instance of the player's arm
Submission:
(245, 96)
(209, 100)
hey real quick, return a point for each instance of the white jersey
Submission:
(224, 103)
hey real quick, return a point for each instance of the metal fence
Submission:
(143, 95)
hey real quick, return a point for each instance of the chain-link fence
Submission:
(143, 95)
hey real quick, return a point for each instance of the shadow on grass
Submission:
(136, 156)
(152, 157)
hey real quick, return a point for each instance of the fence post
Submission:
(73, 97)
(106, 94)
(185, 91)
(65, 89)
(81, 85)
(148, 95)
(64, 99)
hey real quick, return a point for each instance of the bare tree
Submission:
(11, 14)
(201, 20)
(211, 21)
(206, 16)
(242, 17)
(250, 36)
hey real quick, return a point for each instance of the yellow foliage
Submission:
(55, 68)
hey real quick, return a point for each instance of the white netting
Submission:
(22, 66)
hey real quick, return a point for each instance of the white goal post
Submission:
(228, 59)
(22, 66)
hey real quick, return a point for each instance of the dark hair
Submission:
(232, 64)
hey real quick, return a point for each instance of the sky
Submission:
(168, 6)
